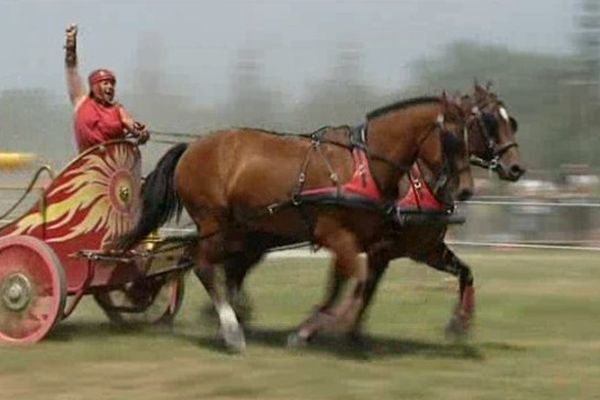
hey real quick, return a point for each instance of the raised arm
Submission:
(75, 86)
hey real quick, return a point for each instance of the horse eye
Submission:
(451, 144)
(491, 124)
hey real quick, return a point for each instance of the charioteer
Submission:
(97, 116)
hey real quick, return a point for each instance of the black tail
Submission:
(159, 199)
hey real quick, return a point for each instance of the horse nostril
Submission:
(516, 171)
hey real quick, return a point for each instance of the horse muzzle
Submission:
(510, 173)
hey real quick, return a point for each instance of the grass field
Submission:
(537, 336)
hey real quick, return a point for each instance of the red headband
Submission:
(100, 75)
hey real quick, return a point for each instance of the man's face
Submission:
(104, 91)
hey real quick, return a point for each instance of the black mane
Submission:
(402, 104)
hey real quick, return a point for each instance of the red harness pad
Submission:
(419, 197)
(362, 183)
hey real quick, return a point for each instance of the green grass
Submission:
(537, 336)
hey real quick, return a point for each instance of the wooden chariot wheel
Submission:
(33, 289)
(154, 300)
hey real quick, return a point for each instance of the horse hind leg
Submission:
(461, 321)
(207, 256)
(237, 266)
(377, 265)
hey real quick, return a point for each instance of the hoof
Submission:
(456, 329)
(296, 341)
(234, 338)
(357, 338)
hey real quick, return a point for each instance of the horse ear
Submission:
(444, 98)
(479, 89)
(480, 92)
(488, 85)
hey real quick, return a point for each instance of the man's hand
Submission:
(71, 45)
(141, 132)
(71, 36)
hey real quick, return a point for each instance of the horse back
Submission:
(253, 168)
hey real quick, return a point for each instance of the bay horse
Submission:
(236, 182)
(491, 143)
(498, 151)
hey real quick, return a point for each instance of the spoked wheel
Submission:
(150, 300)
(33, 289)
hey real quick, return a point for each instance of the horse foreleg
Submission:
(323, 316)
(346, 265)
(444, 259)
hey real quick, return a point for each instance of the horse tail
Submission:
(159, 199)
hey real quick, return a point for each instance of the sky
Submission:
(195, 43)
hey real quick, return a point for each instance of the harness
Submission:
(421, 206)
(420, 197)
(362, 187)
(362, 190)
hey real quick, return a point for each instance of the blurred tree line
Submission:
(555, 98)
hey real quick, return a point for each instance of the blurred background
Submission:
(293, 66)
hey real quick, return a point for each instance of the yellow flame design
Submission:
(87, 189)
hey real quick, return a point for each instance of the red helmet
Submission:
(100, 75)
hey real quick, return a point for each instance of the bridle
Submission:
(494, 151)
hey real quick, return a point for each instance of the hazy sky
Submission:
(200, 39)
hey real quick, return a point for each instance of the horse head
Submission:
(455, 150)
(492, 130)
(430, 129)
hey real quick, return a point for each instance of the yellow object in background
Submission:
(15, 161)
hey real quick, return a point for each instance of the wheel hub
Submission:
(16, 292)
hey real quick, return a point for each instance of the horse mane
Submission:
(402, 104)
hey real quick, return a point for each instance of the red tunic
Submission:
(96, 123)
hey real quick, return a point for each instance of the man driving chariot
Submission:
(97, 116)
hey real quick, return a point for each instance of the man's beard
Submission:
(105, 98)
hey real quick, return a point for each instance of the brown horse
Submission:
(499, 152)
(236, 182)
(492, 145)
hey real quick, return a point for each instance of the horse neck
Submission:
(398, 136)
